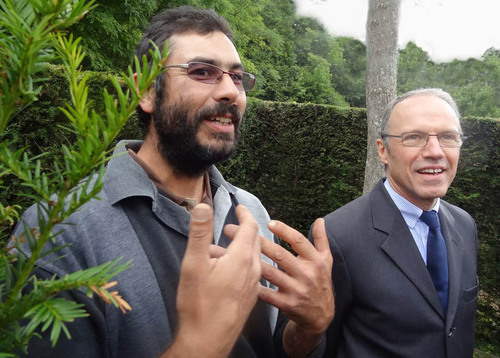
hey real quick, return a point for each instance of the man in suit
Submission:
(390, 300)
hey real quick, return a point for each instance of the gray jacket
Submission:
(100, 232)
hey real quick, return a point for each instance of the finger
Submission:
(321, 239)
(201, 231)
(216, 251)
(299, 243)
(246, 242)
(274, 298)
(277, 277)
(245, 247)
(281, 256)
(230, 230)
(249, 226)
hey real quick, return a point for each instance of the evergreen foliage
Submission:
(33, 34)
(111, 31)
(301, 160)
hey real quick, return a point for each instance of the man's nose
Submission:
(433, 148)
(226, 91)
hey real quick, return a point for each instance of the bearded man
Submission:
(164, 203)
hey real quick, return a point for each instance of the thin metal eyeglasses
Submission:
(419, 139)
(207, 73)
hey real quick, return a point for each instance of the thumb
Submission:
(201, 232)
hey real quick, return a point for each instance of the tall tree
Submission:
(381, 76)
(415, 69)
(111, 31)
(349, 74)
(316, 84)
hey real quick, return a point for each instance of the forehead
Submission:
(214, 47)
(424, 112)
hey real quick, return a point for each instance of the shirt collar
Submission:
(125, 178)
(186, 203)
(411, 213)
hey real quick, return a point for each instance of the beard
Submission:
(177, 141)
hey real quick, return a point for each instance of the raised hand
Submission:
(216, 295)
(305, 292)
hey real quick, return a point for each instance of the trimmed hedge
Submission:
(303, 161)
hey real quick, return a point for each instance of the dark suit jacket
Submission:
(386, 303)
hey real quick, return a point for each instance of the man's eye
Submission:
(413, 137)
(237, 77)
(449, 137)
(203, 72)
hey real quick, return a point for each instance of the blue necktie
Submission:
(437, 258)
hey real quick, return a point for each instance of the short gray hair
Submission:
(434, 92)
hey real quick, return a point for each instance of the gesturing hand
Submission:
(216, 295)
(304, 292)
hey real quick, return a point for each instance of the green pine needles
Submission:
(32, 35)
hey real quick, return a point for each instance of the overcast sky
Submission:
(445, 29)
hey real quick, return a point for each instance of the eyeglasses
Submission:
(419, 139)
(207, 73)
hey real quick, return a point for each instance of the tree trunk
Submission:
(381, 76)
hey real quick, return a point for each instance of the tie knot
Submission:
(430, 218)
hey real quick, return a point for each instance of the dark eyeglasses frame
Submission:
(427, 135)
(247, 79)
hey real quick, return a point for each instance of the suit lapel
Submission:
(400, 246)
(454, 246)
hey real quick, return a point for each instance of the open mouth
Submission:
(431, 171)
(221, 120)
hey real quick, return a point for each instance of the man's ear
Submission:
(382, 150)
(147, 102)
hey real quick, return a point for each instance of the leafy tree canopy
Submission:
(294, 57)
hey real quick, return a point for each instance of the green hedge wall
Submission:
(303, 161)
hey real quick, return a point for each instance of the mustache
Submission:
(220, 110)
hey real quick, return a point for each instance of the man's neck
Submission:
(180, 185)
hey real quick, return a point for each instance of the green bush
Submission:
(477, 190)
(301, 160)
(33, 34)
